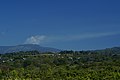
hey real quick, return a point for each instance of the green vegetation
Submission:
(66, 65)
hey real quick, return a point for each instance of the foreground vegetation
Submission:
(66, 65)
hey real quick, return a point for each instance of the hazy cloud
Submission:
(91, 35)
(48, 39)
(80, 36)
(35, 39)
(2, 33)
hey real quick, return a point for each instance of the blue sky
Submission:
(63, 24)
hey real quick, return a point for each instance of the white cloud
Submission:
(35, 39)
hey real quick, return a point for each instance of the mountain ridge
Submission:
(26, 47)
(34, 47)
(113, 50)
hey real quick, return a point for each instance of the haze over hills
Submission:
(26, 47)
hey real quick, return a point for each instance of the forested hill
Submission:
(114, 50)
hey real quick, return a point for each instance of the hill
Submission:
(114, 50)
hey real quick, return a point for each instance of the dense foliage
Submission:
(65, 65)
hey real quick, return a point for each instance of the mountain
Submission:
(26, 47)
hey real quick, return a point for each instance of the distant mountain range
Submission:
(33, 47)
(26, 47)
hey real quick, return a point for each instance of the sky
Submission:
(62, 24)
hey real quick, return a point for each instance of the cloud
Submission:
(80, 36)
(91, 35)
(35, 39)
(64, 38)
